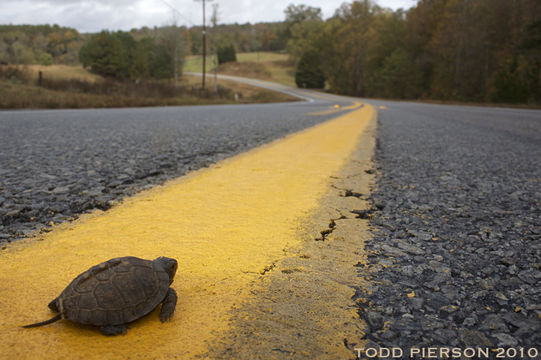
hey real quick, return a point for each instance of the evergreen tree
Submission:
(161, 62)
(105, 56)
(309, 73)
(226, 53)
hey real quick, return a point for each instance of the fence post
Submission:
(40, 77)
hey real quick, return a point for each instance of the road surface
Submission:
(277, 259)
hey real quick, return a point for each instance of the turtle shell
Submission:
(114, 292)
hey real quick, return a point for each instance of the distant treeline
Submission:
(465, 50)
(25, 44)
(246, 37)
(153, 52)
(46, 44)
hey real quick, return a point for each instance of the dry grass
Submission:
(279, 71)
(263, 66)
(246, 93)
(248, 69)
(64, 72)
(283, 72)
(19, 96)
(74, 87)
(262, 56)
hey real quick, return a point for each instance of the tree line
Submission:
(34, 44)
(465, 50)
(119, 55)
(25, 44)
(156, 52)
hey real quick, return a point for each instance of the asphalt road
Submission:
(456, 254)
(55, 164)
(228, 227)
(455, 260)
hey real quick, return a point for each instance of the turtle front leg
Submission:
(113, 329)
(168, 305)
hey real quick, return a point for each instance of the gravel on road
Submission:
(455, 260)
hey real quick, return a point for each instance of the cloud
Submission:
(96, 15)
(86, 16)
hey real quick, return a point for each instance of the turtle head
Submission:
(169, 265)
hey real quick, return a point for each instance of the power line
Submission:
(177, 12)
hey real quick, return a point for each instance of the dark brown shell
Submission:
(114, 292)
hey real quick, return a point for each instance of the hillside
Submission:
(268, 66)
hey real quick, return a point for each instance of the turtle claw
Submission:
(164, 317)
(113, 329)
(168, 305)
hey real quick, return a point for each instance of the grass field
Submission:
(261, 65)
(194, 63)
(74, 87)
(247, 93)
(64, 72)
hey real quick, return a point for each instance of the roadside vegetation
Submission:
(484, 51)
(109, 69)
(73, 87)
(453, 50)
(276, 67)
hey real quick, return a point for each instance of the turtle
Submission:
(117, 292)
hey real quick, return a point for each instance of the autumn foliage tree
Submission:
(31, 44)
(467, 50)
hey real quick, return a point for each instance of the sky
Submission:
(96, 15)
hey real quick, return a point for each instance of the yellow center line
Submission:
(336, 108)
(324, 112)
(224, 225)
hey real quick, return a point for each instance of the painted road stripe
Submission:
(224, 225)
(335, 109)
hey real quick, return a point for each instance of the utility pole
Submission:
(204, 41)
(214, 21)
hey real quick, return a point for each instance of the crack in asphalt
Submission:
(268, 268)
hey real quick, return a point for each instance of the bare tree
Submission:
(174, 39)
(215, 17)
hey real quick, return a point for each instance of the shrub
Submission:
(226, 53)
(309, 73)
(45, 59)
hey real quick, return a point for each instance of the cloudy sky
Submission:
(96, 15)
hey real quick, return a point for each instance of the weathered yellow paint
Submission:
(324, 112)
(335, 109)
(224, 225)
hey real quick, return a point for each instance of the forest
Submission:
(452, 50)
(460, 50)
(39, 44)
